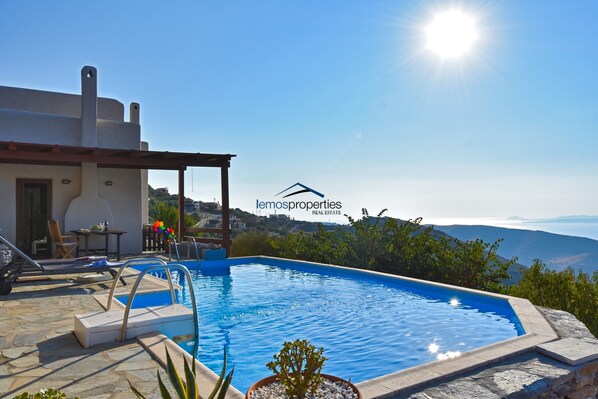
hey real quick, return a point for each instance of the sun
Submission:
(451, 34)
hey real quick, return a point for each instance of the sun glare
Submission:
(451, 34)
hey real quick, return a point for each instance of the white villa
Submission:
(75, 159)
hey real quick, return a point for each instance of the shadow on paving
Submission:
(64, 364)
(40, 350)
(48, 288)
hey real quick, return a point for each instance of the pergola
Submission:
(53, 154)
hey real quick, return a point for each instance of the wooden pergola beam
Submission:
(51, 154)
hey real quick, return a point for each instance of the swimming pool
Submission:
(369, 324)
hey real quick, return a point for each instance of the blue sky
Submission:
(341, 96)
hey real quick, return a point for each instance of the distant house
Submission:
(213, 206)
(74, 158)
(279, 216)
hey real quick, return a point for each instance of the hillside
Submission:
(556, 250)
(243, 221)
(209, 214)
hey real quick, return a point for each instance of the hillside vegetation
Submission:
(556, 251)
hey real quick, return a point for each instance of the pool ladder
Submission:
(190, 240)
(95, 328)
(161, 266)
(132, 262)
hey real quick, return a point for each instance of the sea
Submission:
(579, 226)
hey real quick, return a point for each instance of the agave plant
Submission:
(188, 389)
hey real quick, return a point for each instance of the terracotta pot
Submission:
(272, 378)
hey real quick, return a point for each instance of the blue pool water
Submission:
(369, 325)
(143, 300)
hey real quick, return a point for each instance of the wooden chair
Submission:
(64, 248)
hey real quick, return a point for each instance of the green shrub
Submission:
(322, 246)
(298, 367)
(43, 394)
(564, 290)
(170, 215)
(254, 243)
(409, 249)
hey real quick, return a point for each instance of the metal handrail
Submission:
(134, 291)
(194, 241)
(189, 240)
(138, 261)
(176, 249)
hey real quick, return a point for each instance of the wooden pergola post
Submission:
(225, 207)
(181, 226)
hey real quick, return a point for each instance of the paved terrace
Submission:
(38, 350)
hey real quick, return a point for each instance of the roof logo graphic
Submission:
(304, 189)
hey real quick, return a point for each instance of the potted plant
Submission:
(50, 393)
(298, 374)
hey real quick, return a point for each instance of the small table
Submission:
(106, 233)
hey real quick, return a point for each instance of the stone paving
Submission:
(38, 349)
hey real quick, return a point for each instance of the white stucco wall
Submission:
(124, 197)
(30, 127)
(118, 135)
(48, 102)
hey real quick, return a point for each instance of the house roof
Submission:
(53, 154)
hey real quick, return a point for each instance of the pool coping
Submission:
(536, 327)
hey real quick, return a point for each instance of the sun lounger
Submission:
(20, 264)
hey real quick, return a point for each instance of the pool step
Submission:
(100, 327)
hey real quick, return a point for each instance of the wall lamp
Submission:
(108, 182)
(66, 181)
